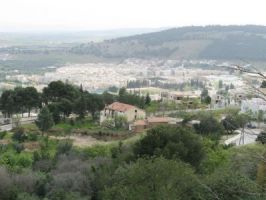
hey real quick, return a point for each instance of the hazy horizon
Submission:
(81, 15)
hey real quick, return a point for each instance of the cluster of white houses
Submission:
(138, 120)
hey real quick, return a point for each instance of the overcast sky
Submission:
(20, 15)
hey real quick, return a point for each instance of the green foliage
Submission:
(44, 120)
(14, 161)
(261, 174)
(64, 146)
(132, 99)
(2, 134)
(108, 123)
(18, 147)
(216, 157)
(230, 123)
(171, 143)
(120, 122)
(152, 179)
(210, 127)
(204, 96)
(97, 151)
(19, 135)
(147, 99)
(228, 184)
(262, 137)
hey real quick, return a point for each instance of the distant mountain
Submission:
(195, 42)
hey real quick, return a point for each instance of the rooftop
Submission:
(121, 107)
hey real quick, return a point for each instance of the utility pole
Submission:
(242, 136)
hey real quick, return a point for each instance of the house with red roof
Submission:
(130, 112)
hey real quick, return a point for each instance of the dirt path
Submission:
(82, 141)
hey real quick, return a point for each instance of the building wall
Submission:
(134, 114)
(254, 106)
(130, 115)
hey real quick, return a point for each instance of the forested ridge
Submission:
(195, 42)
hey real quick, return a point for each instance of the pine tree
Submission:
(147, 99)
(44, 120)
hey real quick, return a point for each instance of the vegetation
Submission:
(168, 162)
(208, 42)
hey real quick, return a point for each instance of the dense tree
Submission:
(94, 103)
(209, 126)
(7, 103)
(108, 98)
(147, 99)
(153, 179)
(132, 99)
(262, 137)
(44, 120)
(205, 98)
(58, 90)
(227, 184)
(80, 106)
(31, 99)
(19, 100)
(65, 107)
(230, 123)
(171, 143)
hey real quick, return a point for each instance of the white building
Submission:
(253, 106)
(131, 113)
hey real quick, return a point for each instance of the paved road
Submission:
(8, 127)
(250, 137)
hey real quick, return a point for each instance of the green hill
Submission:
(195, 42)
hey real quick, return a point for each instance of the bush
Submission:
(108, 123)
(24, 160)
(152, 179)
(19, 135)
(210, 127)
(18, 147)
(120, 122)
(64, 147)
(262, 138)
(172, 143)
(32, 136)
(2, 134)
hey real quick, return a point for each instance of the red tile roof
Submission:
(117, 106)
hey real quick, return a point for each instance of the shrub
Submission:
(64, 146)
(152, 179)
(2, 134)
(120, 122)
(24, 160)
(108, 123)
(18, 147)
(171, 143)
(32, 136)
(19, 135)
(262, 138)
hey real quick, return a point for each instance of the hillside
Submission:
(195, 42)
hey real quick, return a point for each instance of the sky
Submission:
(35, 15)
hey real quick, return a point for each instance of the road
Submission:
(250, 137)
(26, 120)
